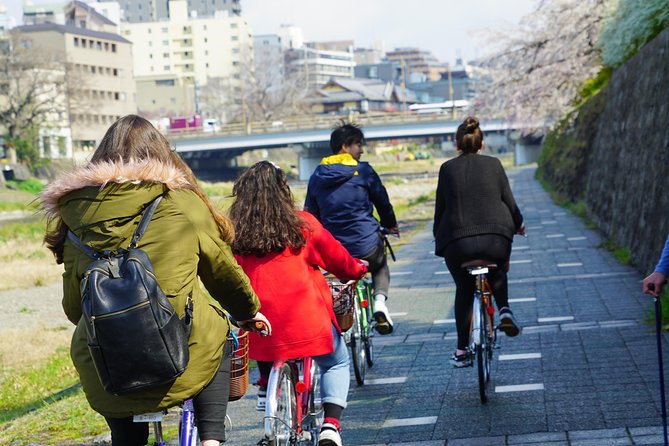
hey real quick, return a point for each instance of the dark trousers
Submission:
(495, 248)
(378, 266)
(210, 408)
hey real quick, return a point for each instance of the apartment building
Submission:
(173, 59)
(138, 11)
(417, 61)
(100, 60)
(318, 62)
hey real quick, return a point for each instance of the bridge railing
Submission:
(309, 122)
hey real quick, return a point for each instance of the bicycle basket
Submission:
(342, 298)
(239, 368)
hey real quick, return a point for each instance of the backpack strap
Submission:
(90, 252)
(144, 222)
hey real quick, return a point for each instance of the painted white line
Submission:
(518, 248)
(400, 314)
(516, 262)
(533, 228)
(518, 356)
(523, 299)
(555, 319)
(573, 239)
(398, 422)
(543, 211)
(519, 388)
(444, 321)
(441, 272)
(554, 235)
(378, 381)
(549, 222)
(565, 265)
(401, 273)
(557, 214)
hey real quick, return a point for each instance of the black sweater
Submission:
(473, 198)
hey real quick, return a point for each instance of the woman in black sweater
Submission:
(475, 217)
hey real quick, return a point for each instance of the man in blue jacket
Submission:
(342, 193)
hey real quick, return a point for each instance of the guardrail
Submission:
(309, 122)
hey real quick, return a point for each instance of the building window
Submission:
(233, 25)
(93, 69)
(166, 42)
(113, 47)
(165, 83)
(76, 41)
(99, 45)
(234, 38)
(116, 96)
(166, 55)
(106, 46)
(166, 67)
(115, 71)
(164, 29)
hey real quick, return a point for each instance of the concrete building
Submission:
(180, 55)
(138, 11)
(317, 63)
(100, 59)
(417, 61)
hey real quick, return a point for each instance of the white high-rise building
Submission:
(174, 58)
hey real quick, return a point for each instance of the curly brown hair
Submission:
(264, 213)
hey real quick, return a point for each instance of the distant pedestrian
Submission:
(659, 276)
(475, 217)
(342, 194)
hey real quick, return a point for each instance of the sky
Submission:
(447, 28)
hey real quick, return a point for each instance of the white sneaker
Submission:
(329, 436)
(384, 325)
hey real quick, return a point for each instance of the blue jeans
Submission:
(335, 374)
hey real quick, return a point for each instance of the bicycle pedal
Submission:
(304, 436)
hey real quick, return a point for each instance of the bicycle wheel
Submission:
(357, 346)
(483, 352)
(281, 408)
(314, 415)
(366, 327)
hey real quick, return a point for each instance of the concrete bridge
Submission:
(310, 137)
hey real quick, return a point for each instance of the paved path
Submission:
(583, 372)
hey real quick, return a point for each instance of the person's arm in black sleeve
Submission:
(507, 198)
(440, 203)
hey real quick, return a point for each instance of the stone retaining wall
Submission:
(627, 186)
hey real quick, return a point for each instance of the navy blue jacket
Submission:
(342, 194)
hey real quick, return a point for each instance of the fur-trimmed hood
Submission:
(101, 174)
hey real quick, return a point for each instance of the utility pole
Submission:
(403, 85)
(450, 91)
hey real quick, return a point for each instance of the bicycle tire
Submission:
(367, 328)
(281, 409)
(357, 347)
(483, 349)
(315, 409)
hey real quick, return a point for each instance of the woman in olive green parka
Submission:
(186, 240)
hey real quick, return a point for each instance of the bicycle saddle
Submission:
(479, 262)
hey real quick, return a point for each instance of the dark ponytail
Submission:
(469, 137)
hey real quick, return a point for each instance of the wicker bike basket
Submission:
(343, 295)
(239, 368)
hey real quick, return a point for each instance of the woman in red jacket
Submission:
(282, 250)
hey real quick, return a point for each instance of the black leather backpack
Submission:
(135, 337)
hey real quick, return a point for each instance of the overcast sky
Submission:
(443, 27)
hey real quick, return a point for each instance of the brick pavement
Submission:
(583, 372)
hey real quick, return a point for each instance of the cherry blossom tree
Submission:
(535, 73)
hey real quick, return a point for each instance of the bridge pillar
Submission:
(309, 157)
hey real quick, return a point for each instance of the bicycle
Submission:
(188, 432)
(293, 412)
(483, 334)
(352, 307)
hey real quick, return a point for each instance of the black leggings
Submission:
(210, 404)
(495, 248)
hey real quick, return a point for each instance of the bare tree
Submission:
(254, 93)
(36, 87)
(537, 71)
